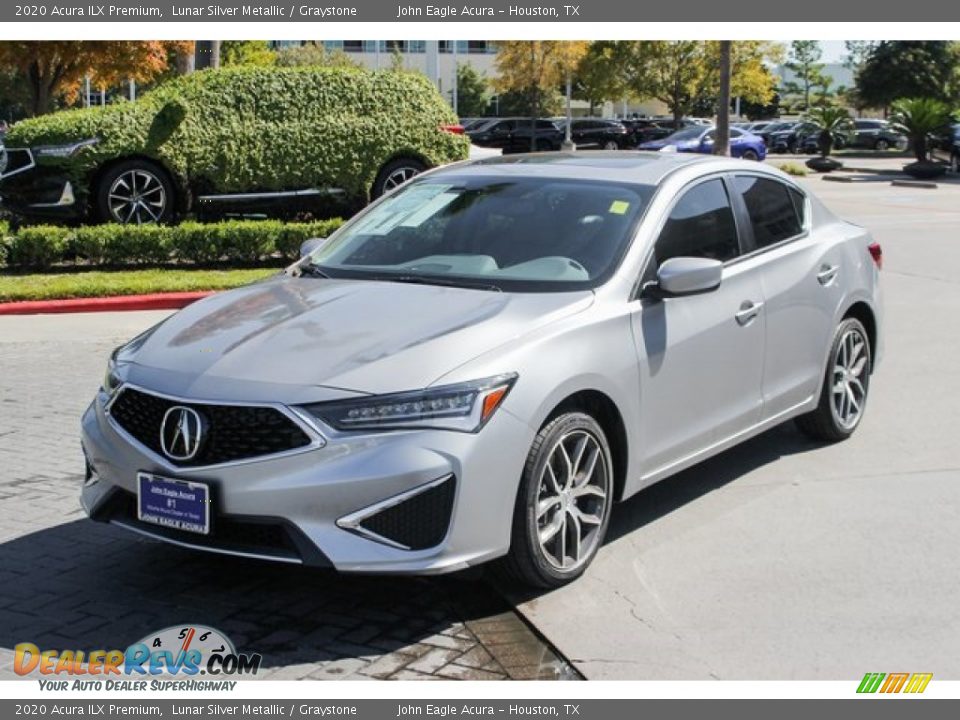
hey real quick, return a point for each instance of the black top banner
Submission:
(696, 11)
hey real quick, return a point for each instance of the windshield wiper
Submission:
(313, 270)
(434, 280)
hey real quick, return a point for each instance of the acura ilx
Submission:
(481, 364)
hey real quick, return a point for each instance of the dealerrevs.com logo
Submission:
(888, 683)
(179, 650)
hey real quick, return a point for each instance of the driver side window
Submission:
(700, 225)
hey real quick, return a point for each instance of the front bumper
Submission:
(38, 190)
(307, 507)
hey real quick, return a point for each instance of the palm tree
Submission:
(832, 121)
(918, 119)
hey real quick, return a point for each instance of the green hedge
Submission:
(244, 128)
(42, 246)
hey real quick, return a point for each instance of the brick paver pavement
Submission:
(66, 582)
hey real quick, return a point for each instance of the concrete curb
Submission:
(157, 301)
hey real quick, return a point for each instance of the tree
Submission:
(601, 75)
(535, 67)
(473, 92)
(722, 143)
(909, 69)
(313, 54)
(684, 74)
(918, 119)
(804, 63)
(832, 121)
(55, 69)
(247, 52)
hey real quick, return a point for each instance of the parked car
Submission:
(789, 139)
(276, 140)
(387, 404)
(643, 130)
(512, 135)
(946, 147)
(779, 126)
(701, 138)
(874, 135)
(597, 133)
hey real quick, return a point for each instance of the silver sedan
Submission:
(481, 364)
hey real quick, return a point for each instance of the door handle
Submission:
(748, 311)
(827, 274)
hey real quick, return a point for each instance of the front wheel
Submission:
(611, 145)
(881, 145)
(843, 396)
(394, 174)
(563, 505)
(135, 192)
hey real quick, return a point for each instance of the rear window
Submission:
(775, 210)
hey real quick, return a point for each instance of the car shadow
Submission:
(86, 586)
(687, 486)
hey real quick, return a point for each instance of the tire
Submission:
(611, 145)
(750, 155)
(135, 191)
(552, 563)
(881, 145)
(827, 422)
(955, 163)
(395, 173)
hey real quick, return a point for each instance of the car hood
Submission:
(353, 335)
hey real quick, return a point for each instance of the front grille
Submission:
(418, 523)
(233, 432)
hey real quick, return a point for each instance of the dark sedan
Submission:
(598, 134)
(512, 135)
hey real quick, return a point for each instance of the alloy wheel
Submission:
(849, 389)
(611, 145)
(882, 145)
(398, 177)
(137, 196)
(572, 499)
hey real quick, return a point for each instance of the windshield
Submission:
(509, 233)
(690, 133)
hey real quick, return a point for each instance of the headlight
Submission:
(62, 151)
(111, 380)
(465, 407)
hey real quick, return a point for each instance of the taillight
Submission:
(876, 252)
(453, 129)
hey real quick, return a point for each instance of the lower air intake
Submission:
(417, 523)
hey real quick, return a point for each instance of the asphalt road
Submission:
(782, 559)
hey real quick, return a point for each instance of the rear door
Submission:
(800, 275)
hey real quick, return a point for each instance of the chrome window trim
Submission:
(352, 522)
(30, 166)
(317, 440)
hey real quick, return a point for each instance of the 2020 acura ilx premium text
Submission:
(483, 362)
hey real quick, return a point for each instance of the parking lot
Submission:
(780, 559)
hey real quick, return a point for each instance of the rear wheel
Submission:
(563, 505)
(750, 155)
(611, 145)
(846, 383)
(135, 192)
(881, 145)
(394, 174)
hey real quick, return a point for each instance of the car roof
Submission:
(635, 167)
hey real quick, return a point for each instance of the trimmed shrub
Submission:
(253, 128)
(37, 247)
(230, 241)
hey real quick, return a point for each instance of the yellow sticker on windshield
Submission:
(619, 207)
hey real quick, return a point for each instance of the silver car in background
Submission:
(482, 363)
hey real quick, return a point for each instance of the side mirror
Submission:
(310, 245)
(682, 276)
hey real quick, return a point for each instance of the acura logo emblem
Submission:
(181, 433)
